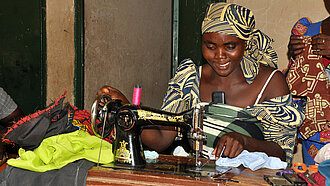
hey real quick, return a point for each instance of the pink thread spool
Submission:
(137, 95)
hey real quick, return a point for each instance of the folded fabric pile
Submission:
(53, 140)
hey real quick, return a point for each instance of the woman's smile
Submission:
(223, 66)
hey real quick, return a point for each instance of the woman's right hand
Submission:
(113, 93)
(233, 143)
(296, 46)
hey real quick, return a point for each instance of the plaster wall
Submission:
(60, 49)
(127, 43)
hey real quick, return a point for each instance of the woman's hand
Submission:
(321, 45)
(113, 93)
(233, 142)
(296, 46)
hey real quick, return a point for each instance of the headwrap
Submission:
(239, 21)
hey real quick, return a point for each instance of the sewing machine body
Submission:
(128, 121)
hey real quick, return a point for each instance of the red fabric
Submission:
(82, 118)
(317, 176)
(307, 77)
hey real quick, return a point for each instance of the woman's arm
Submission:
(158, 138)
(234, 143)
(277, 87)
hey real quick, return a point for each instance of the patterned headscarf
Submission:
(239, 21)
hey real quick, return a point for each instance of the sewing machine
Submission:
(127, 121)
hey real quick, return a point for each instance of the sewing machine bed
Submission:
(177, 167)
(174, 170)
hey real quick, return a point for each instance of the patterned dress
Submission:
(279, 116)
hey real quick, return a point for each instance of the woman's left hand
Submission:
(321, 44)
(233, 142)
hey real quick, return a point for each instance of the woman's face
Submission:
(223, 52)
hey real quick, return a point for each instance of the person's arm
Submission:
(14, 116)
(7, 122)
(234, 143)
(158, 138)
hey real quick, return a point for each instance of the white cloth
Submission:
(323, 154)
(251, 160)
(179, 151)
(151, 155)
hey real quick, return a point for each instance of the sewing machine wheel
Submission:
(101, 116)
(126, 119)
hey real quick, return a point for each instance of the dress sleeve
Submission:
(7, 104)
(183, 89)
(280, 119)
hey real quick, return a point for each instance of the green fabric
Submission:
(221, 119)
(57, 151)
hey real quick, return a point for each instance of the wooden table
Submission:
(114, 176)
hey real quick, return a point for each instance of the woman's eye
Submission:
(211, 47)
(230, 47)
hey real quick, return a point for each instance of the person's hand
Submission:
(321, 45)
(296, 46)
(113, 93)
(233, 142)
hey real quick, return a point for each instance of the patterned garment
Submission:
(279, 116)
(307, 76)
(239, 21)
(220, 119)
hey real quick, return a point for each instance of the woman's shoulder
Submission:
(273, 80)
(266, 72)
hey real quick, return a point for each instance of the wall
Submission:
(60, 49)
(276, 18)
(126, 43)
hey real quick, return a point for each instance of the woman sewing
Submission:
(241, 63)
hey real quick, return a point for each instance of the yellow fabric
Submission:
(57, 151)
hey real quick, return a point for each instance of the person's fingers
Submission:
(296, 46)
(295, 41)
(299, 51)
(238, 150)
(218, 149)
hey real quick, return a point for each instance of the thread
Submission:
(137, 95)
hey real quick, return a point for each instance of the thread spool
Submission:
(137, 95)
